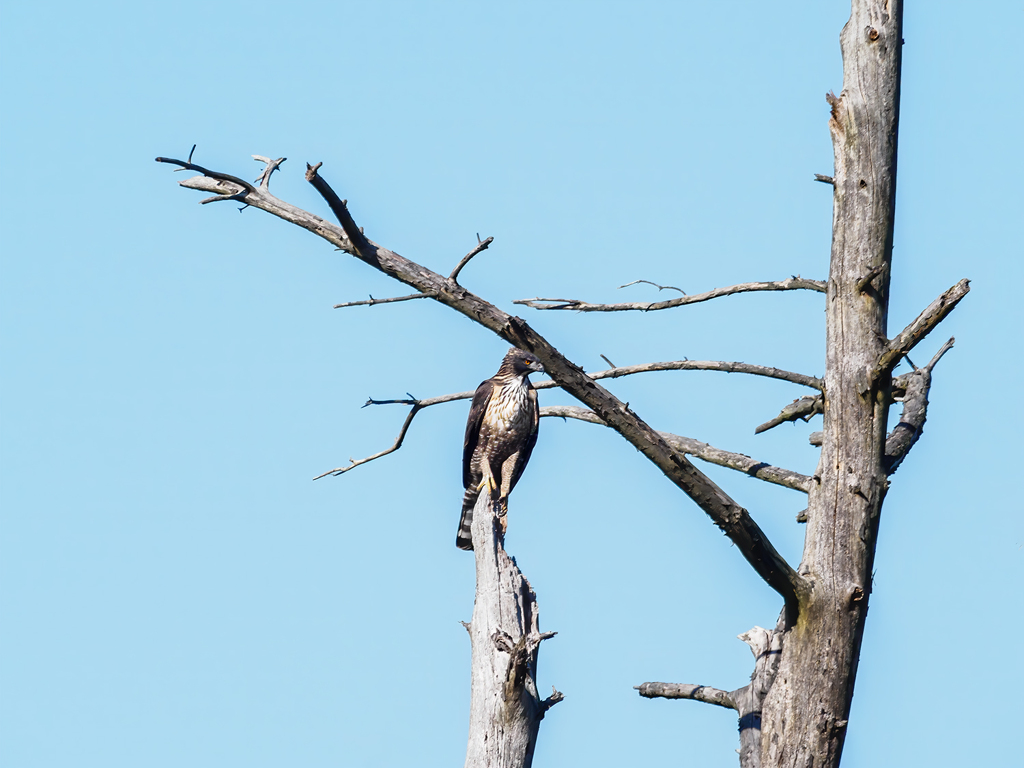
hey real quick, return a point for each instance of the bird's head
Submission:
(521, 362)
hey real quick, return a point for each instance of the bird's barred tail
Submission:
(464, 538)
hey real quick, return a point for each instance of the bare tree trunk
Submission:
(505, 709)
(807, 709)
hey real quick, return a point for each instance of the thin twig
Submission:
(608, 361)
(371, 301)
(659, 287)
(481, 246)
(397, 444)
(824, 179)
(789, 284)
(942, 350)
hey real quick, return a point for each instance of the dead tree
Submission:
(795, 710)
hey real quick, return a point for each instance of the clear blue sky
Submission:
(175, 589)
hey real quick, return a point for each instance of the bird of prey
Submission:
(500, 435)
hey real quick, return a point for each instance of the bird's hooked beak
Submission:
(536, 366)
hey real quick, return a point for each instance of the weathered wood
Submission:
(748, 701)
(735, 521)
(766, 645)
(807, 709)
(505, 708)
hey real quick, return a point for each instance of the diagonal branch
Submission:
(358, 245)
(905, 434)
(687, 445)
(804, 409)
(794, 283)
(371, 301)
(417, 407)
(729, 516)
(934, 313)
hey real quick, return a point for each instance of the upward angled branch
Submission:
(733, 519)
(908, 338)
(905, 434)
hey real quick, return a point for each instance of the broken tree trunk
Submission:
(807, 709)
(505, 709)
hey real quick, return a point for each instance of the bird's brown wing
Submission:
(524, 453)
(476, 419)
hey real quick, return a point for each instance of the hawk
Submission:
(500, 435)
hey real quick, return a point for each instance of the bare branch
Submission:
(909, 337)
(729, 516)
(794, 283)
(358, 245)
(824, 179)
(629, 370)
(394, 447)
(272, 165)
(659, 287)
(709, 365)
(555, 697)
(481, 246)
(915, 410)
(686, 691)
(371, 301)
(803, 409)
(865, 281)
(608, 361)
(188, 165)
(687, 445)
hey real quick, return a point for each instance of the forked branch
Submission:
(794, 283)
(733, 519)
(934, 313)
(905, 434)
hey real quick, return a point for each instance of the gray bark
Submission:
(748, 701)
(807, 709)
(505, 708)
(735, 521)
(795, 711)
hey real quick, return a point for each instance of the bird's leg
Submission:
(488, 482)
